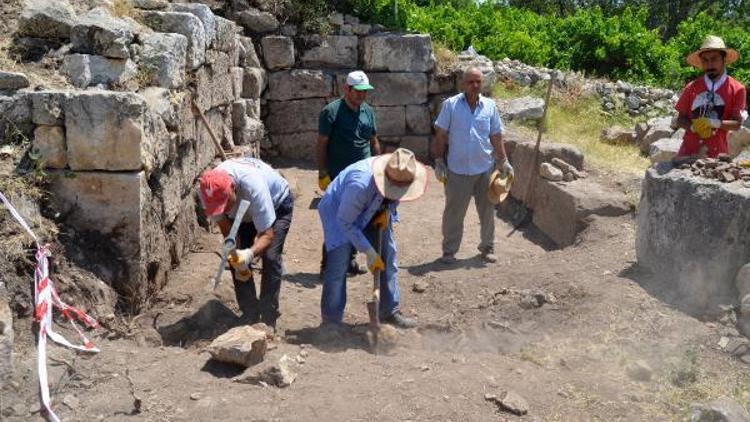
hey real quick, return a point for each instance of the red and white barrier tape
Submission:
(46, 298)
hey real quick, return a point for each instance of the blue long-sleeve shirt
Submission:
(349, 204)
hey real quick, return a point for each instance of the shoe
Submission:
(398, 320)
(355, 269)
(447, 259)
(489, 257)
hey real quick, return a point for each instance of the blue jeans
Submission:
(333, 300)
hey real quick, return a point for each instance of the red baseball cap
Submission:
(215, 186)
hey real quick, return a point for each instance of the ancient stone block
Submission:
(253, 82)
(442, 84)
(47, 107)
(84, 70)
(47, 19)
(186, 24)
(226, 32)
(100, 33)
(49, 142)
(332, 51)
(12, 81)
(391, 121)
(297, 83)
(397, 88)
(163, 57)
(250, 131)
(294, 116)
(278, 52)
(256, 21)
(418, 120)
(522, 156)
(202, 12)
(249, 58)
(238, 76)
(296, 145)
(397, 53)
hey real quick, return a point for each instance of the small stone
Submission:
(304, 353)
(196, 396)
(723, 342)
(71, 401)
(639, 371)
(419, 286)
(12, 81)
(722, 410)
(490, 397)
(514, 403)
(243, 346)
(279, 374)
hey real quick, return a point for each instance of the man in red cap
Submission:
(261, 234)
(712, 104)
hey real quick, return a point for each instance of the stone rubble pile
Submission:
(722, 169)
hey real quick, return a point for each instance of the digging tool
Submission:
(230, 242)
(534, 168)
(211, 133)
(373, 305)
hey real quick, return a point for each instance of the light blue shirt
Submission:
(349, 204)
(470, 151)
(259, 184)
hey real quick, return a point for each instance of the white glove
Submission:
(242, 259)
(441, 170)
(715, 123)
(374, 261)
(505, 167)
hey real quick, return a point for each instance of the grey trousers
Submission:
(458, 192)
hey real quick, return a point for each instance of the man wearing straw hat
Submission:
(712, 104)
(468, 149)
(367, 191)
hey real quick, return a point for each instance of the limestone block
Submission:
(659, 128)
(251, 131)
(391, 121)
(159, 102)
(294, 116)
(418, 120)
(12, 81)
(256, 21)
(164, 58)
(296, 145)
(48, 107)
(664, 149)
(278, 52)
(226, 33)
(249, 58)
(238, 76)
(298, 83)
(244, 346)
(220, 80)
(100, 33)
(524, 108)
(49, 141)
(204, 14)
(85, 70)
(47, 19)
(397, 53)
(397, 88)
(253, 82)
(419, 145)
(186, 24)
(442, 84)
(332, 51)
(522, 156)
(105, 131)
(699, 261)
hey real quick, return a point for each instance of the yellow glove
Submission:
(380, 220)
(323, 182)
(374, 261)
(240, 260)
(702, 127)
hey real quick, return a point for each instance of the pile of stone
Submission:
(559, 170)
(722, 169)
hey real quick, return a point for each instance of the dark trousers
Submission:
(265, 308)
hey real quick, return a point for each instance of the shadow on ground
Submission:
(307, 280)
(331, 338)
(208, 322)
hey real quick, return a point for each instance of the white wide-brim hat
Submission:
(399, 176)
(712, 43)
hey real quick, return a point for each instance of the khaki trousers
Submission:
(458, 191)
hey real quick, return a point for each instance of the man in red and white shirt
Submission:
(711, 105)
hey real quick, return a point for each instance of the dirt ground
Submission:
(570, 359)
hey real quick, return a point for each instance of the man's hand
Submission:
(240, 260)
(704, 127)
(505, 168)
(441, 170)
(323, 180)
(374, 261)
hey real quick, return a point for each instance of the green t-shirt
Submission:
(349, 133)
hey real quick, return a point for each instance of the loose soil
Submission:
(567, 358)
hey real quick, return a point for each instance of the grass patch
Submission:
(123, 9)
(445, 58)
(578, 120)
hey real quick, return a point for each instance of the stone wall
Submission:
(125, 145)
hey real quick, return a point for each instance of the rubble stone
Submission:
(332, 51)
(249, 57)
(617, 135)
(244, 346)
(723, 409)
(253, 82)
(202, 12)
(164, 57)
(279, 374)
(278, 52)
(525, 108)
(47, 19)
(186, 24)
(256, 21)
(12, 81)
(100, 33)
(47, 107)
(6, 339)
(85, 70)
(664, 149)
(550, 172)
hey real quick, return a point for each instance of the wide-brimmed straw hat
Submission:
(399, 176)
(712, 43)
(499, 187)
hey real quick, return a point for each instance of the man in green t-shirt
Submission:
(346, 134)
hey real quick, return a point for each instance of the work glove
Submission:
(380, 220)
(374, 261)
(324, 181)
(505, 168)
(240, 260)
(704, 127)
(441, 170)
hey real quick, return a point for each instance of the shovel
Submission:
(373, 305)
(230, 243)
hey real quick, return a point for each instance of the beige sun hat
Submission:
(712, 43)
(399, 176)
(499, 187)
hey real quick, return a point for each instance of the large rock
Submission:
(738, 140)
(391, 121)
(396, 88)
(697, 262)
(6, 339)
(418, 120)
(297, 83)
(294, 116)
(524, 108)
(278, 52)
(659, 128)
(253, 82)
(47, 19)
(49, 142)
(664, 149)
(12, 81)
(164, 57)
(48, 107)
(397, 53)
(98, 32)
(550, 172)
(720, 410)
(84, 70)
(105, 131)
(256, 21)
(332, 51)
(186, 24)
(300, 146)
(248, 58)
(244, 346)
(202, 12)
(226, 33)
(617, 135)
(279, 374)
(522, 155)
